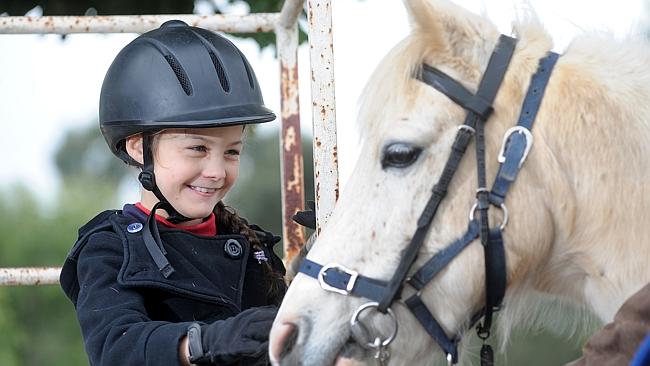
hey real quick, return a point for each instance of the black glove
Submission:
(227, 341)
(307, 218)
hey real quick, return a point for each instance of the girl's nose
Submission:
(215, 169)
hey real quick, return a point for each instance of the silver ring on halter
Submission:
(366, 343)
(529, 143)
(325, 286)
(501, 206)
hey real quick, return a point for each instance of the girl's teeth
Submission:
(202, 190)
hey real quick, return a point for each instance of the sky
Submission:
(48, 86)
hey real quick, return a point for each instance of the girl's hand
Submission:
(227, 341)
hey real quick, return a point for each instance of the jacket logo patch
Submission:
(134, 227)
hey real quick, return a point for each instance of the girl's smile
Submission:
(203, 190)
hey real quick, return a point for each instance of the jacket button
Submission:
(134, 227)
(233, 248)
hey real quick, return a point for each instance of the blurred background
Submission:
(57, 172)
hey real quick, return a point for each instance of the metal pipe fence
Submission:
(285, 26)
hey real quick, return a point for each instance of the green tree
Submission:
(39, 323)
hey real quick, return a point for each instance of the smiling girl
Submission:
(177, 278)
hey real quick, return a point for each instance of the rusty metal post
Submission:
(321, 50)
(29, 276)
(291, 162)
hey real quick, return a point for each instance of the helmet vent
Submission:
(221, 73)
(248, 71)
(180, 74)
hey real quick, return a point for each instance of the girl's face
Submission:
(194, 168)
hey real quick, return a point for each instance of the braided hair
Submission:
(228, 218)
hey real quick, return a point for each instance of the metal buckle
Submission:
(501, 206)
(467, 128)
(506, 136)
(325, 286)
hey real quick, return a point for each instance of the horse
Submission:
(573, 227)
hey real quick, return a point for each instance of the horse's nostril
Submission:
(283, 339)
(290, 339)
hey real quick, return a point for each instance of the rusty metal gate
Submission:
(285, 26)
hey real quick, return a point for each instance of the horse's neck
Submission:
(598, 144)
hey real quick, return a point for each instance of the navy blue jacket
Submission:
(130, 314)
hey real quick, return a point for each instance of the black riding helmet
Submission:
(175, 76)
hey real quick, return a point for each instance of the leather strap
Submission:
(515, 147)
(364, 286)
(455, 91)
(154, 245)
(483, 204)
(438, 262)
(432, 327)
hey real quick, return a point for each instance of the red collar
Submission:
(206, 228)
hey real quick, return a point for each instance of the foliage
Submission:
(129, 7)
(84, 155)
(39, 323)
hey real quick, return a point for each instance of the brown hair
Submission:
(227, 217)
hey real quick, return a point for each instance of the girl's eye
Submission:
(232, 152)
(399, 155)
(199, 148)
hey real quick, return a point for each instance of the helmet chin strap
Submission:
(148, 180)
(150, 233)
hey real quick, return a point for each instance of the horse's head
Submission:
(407, 130)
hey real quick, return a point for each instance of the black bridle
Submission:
(516, 145)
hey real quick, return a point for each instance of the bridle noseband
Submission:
(516, 146)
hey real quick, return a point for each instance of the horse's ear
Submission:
(448, 26)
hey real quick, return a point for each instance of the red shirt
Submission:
(206, 228)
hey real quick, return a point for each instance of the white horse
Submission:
(578, 229)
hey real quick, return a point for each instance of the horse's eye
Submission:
(399, 155)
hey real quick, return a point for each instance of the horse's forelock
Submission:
(392, 86)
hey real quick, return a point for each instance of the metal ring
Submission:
(373, 345)
(503, 208)
(482, 189)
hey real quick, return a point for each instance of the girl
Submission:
(177, 278)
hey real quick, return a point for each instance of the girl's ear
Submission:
(134, 147)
